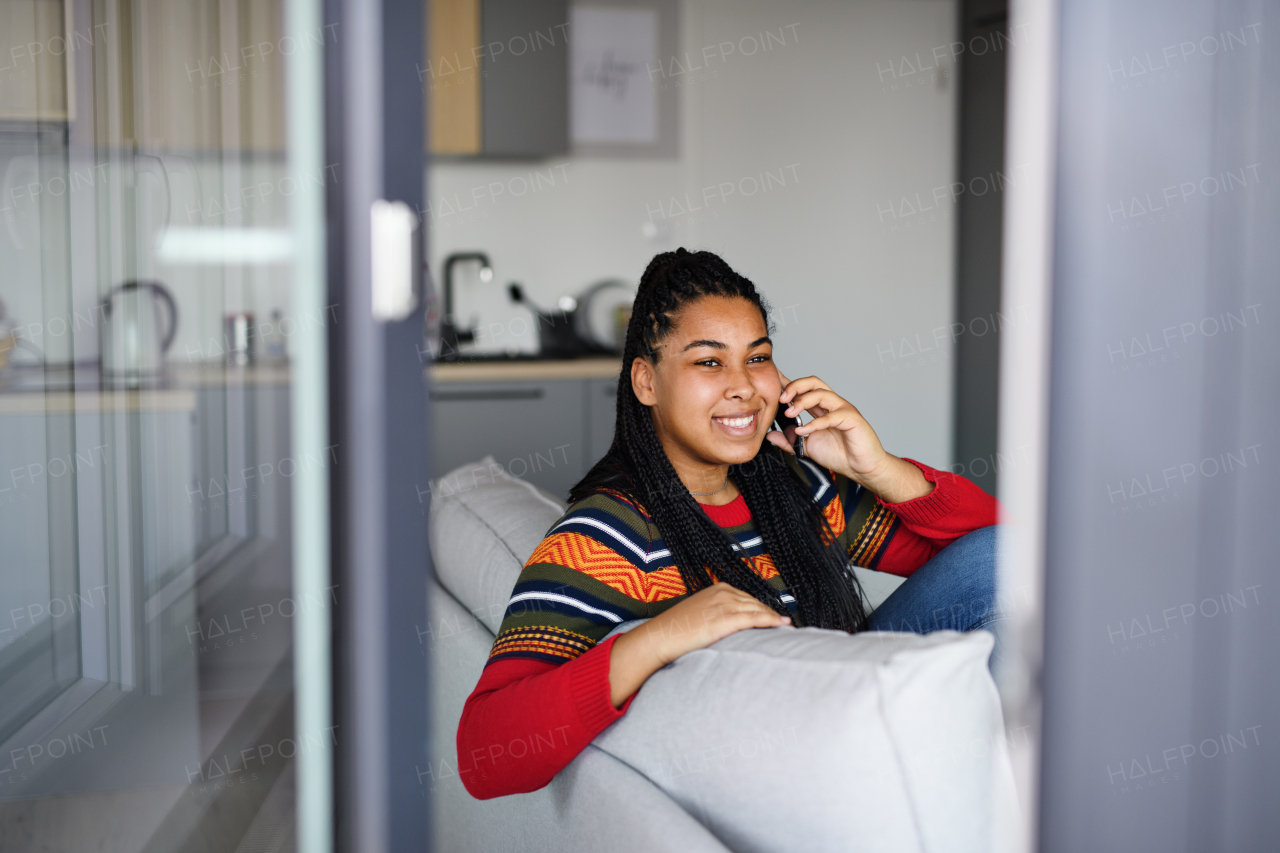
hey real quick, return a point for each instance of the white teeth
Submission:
(737, 422)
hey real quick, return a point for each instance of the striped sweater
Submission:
(544, 693)
(604, 563)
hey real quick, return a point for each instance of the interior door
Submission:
(164, 575)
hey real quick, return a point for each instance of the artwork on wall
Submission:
(620, 103)
(611, 54)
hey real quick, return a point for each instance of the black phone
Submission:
(786, 425)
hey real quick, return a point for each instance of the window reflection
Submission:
(146, 605)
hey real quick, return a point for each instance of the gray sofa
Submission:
(484, 525)
(880, 742)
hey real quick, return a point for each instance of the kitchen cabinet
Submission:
(601, 411)
(497, 81)
(546, 429)
(131, 518)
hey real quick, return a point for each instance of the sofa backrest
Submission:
(879, 742)
(484, 524)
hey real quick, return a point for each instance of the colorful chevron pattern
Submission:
(597, 560)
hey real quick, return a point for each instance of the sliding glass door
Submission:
(162, 374)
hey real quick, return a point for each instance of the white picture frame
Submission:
(620, 105)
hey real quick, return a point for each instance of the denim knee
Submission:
(973, 558)
(978, 543)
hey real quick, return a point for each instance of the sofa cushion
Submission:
(484, 524)
(787, 738)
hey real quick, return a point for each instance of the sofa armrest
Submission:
(595, 803)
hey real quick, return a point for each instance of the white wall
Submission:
(847, 131)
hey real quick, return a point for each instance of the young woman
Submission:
(701, 520)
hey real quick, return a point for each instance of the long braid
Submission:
(794, 532)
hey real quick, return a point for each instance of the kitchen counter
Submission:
(524, 370)
(65, 390)
(29, 391)
(543, 421)
(97, 402)
(203, 375)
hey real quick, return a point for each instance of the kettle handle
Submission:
(165, 296)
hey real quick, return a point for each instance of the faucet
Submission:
(451, 336)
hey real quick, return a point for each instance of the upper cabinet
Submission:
(497, 78)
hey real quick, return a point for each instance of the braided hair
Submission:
(794, 531)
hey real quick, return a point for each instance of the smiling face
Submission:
(714, 390)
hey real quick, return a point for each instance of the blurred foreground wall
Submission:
(1162, 701)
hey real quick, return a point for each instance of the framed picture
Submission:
(620, 102)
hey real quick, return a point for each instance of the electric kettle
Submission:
(139, 322)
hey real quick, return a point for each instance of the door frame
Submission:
(378, 420)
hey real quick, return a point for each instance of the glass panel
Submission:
(159, 299)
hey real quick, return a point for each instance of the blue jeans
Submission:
(955, 590)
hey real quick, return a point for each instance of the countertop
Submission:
(95, 402)
(66, 390)
(515, 371)
(36, 391)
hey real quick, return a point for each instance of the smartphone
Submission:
(786, 424)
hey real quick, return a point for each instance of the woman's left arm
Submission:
(955, 506)
(934, 507)
(839, 438)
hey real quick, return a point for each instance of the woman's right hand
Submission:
(710, 614)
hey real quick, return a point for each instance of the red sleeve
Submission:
(527, 719)
(956, 506)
